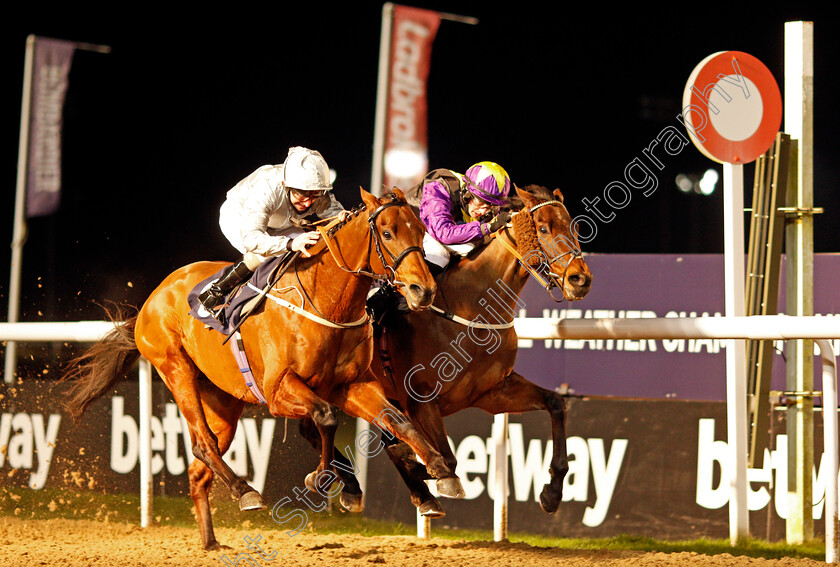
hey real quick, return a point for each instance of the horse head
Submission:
(545, 238)
(397, 236)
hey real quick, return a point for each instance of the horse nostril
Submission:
(577, 280)
(421, 294)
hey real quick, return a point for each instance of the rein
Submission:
(312, 317)
(467, 323)
(554, 280)
(375, 240)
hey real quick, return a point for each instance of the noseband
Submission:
(553, 279)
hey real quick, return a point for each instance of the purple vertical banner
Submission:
(50, 70)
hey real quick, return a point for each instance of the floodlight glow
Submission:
(684, 183)
(404, 164)
(708, 183)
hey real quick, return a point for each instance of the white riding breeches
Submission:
(439, 254)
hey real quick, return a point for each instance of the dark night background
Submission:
(188, 103)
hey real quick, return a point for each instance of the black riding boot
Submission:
(383, 304)
(434, 269)
(215, 295)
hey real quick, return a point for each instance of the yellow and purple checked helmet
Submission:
(489, 182)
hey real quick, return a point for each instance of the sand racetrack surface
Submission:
(84, 543)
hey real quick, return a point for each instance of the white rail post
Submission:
(830, 434)
(736, 359)
(145, 442)
(500, 480)
(424, 526)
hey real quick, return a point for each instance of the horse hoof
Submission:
(309, 482)
(431, 509)
(215, 546)
(251, 501)
(450, 487)
(548, 502)
(352, 502)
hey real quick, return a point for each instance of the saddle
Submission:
(241, 301)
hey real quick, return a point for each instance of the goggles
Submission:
(301, 194)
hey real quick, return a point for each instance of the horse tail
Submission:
(95, 372)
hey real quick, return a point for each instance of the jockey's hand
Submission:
(301, 242)
(498, 221)
(343, 216)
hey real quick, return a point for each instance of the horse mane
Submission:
(515, 202)
(320, 246)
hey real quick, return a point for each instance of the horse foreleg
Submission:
(414, 475)
(351, 494)
(515, 394)
(367, 400)
(294, 398)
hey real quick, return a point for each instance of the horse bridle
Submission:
(391, 275)
(375, 241)
(554, 279)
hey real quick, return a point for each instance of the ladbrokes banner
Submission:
(412, 33)
(50, 70)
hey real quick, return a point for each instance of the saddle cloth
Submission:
(233, 310)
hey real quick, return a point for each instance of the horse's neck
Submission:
(336, 292)
(493, 273)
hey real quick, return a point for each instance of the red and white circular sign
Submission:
(732, 107)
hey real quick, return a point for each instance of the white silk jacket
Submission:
(257, 212)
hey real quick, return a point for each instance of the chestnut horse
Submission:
(460, 353)
(302, 365)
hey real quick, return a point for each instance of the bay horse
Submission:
(303, 363)
(460, 353)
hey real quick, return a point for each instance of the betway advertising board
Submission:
(647, 467)
(656, 468)
(41, 446)
(646, 427)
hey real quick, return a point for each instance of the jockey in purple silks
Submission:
(459, 211)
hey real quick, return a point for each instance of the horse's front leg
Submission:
(428, 420)
(414, 476)
(515, 394)
(293, 398)
(351, 493)
(366, 399)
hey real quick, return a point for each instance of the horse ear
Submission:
(371, 202)
(398, 193)
(526, 197)
(559, 195)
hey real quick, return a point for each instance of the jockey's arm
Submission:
(436, 214)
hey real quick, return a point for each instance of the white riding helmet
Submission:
(306, 170)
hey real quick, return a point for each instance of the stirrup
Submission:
(212, 301)
(213, 298)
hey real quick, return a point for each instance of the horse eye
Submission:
(544, 230)
(386, 234)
